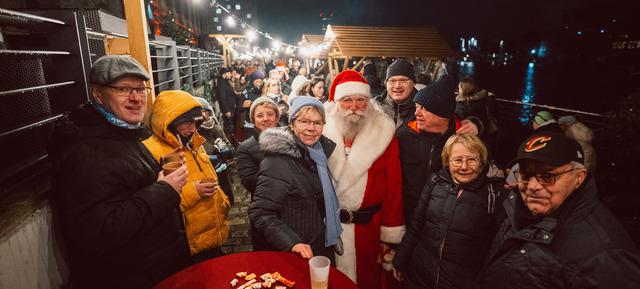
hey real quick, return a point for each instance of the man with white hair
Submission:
(366, 171)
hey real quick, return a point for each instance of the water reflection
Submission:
(527, 94)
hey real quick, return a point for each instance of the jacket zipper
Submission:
(444, 238)
(430, 161)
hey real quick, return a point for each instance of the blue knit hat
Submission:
(438, 97)
(302, 101)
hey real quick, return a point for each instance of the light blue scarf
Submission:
(332, 220)
(112, 119)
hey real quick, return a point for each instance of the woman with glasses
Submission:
(458, 214)
(295, 206)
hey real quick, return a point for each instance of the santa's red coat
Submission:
(369, 175)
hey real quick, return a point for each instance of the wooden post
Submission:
(330, 62)
(345, 66)
(139, 42)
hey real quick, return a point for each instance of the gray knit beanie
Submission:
(259, 101)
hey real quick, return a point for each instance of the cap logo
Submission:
(536, 143)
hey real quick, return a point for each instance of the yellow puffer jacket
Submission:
(205, 218)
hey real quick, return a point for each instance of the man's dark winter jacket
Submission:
(451, 230)
(401, 113)
(581, 245)
(121, 227)
(249, 157)
(288, 205)
(420, 157)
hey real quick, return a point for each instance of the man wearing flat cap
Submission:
(118, 212)
(557, 234)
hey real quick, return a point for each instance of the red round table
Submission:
(218, 272)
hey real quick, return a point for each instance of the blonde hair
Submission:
(471, 142)
(265, 87)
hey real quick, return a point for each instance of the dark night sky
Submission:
(288, 20)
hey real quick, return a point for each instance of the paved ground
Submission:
(240, 238)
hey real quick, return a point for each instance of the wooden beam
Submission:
(330, 63)
(355, 67)
(345, 66)
(139, 42)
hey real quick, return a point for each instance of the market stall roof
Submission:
(371, 41)
(313, 42)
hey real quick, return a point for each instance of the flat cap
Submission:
(109, 68)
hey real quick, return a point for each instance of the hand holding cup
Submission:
(176, 178)
(206, 187)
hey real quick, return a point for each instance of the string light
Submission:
(231, 21)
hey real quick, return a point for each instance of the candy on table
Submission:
(241, 274)
(267, 284)
(265, 276)
(250, 277)
(286, 281)
(234, 282)
(280, 287)
(248, 284)
(256, 285)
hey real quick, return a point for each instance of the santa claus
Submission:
(366, 172)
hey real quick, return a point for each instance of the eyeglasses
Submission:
(304, 123)
(400, 81)
(457, 162)
(126, 91)
(545, 179)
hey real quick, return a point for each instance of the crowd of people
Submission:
(389, 177)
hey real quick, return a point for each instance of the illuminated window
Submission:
(237, 6)
(216, 19)
(219, 28)
(218, 11)
(228, 6)
(248, 15)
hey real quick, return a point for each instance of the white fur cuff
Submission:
(392, 235)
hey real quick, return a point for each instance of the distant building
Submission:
(247, 10)
(326, 19)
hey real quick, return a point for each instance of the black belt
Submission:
(362, 216)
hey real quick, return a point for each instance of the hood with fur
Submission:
(279, 141)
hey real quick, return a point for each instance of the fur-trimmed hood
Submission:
(477, 96)
(279, 141)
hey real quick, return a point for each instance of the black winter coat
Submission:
(450, 235)
(288, 205)
(121, 228)
(419, 157)
(248, 158)
(581, 245)
(226, 96)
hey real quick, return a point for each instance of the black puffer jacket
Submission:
(249, 157)
(121, 227)
(288, 205)
(450, 235)
(420, 157)
(581, 245)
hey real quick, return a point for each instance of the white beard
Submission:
(349, 123)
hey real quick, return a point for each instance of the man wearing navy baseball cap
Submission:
(557, 233)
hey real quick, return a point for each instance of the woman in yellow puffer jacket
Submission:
(173, 120)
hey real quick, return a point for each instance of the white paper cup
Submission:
(319, 271)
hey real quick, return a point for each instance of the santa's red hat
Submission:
(347, 83)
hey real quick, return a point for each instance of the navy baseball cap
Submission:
(550, 148)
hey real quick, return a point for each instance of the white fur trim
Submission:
(392, 235)
(351, 88)
(350, 173)
(347, 262)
